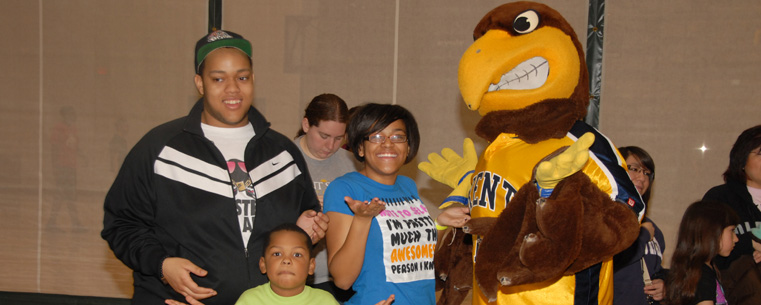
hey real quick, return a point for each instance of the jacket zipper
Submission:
(218, 155)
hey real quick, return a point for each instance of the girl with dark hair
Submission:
(707, 230)
(381, 238)
(742, 191)
(320, 138)
(644, 257)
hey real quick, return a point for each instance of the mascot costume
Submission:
(550, 199)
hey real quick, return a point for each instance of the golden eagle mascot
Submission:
(549, 201)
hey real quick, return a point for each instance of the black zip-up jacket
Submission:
(736, 195)
(740, 275)
(173, 197)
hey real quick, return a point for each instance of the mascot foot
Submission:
(515, 277)
(519, 274)
(490, 292)
(553, 247)
(479, 226)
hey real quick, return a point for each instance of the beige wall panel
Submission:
(86, 79)
(305, 48)
(19, 145)
(122, 68)
(679, 75)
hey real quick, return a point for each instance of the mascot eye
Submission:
(526, 22)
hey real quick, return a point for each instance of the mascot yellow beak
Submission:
(500, 71)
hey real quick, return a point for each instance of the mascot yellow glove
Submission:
(549, 173)
(451, 169)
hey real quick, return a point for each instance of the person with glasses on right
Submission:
(637, 271)
(741, 271)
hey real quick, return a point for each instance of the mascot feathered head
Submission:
(525, 73)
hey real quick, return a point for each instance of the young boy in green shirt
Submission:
(287, 261)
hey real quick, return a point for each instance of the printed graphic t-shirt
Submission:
(399, 253)
(323, 172)
(232, 142)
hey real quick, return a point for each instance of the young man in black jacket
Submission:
(194, 198)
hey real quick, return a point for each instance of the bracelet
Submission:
(439, 227)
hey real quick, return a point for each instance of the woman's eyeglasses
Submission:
(640, 171)
(379, 138)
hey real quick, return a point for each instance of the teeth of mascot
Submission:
(530, 74)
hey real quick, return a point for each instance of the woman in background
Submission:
(647, 251)
(707, 231)
(320, 137)
(742, 191)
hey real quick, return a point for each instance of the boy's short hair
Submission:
(291, 227)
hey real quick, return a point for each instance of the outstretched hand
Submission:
(365, 208)
(550, 173)
(177, 270)
(449, 167)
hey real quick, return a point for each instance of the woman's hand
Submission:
(347, 239)
(454, 216)
(368, 209)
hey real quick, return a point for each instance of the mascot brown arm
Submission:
(454, 266)
(577, 226)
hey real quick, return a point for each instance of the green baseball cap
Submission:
(220, 39)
